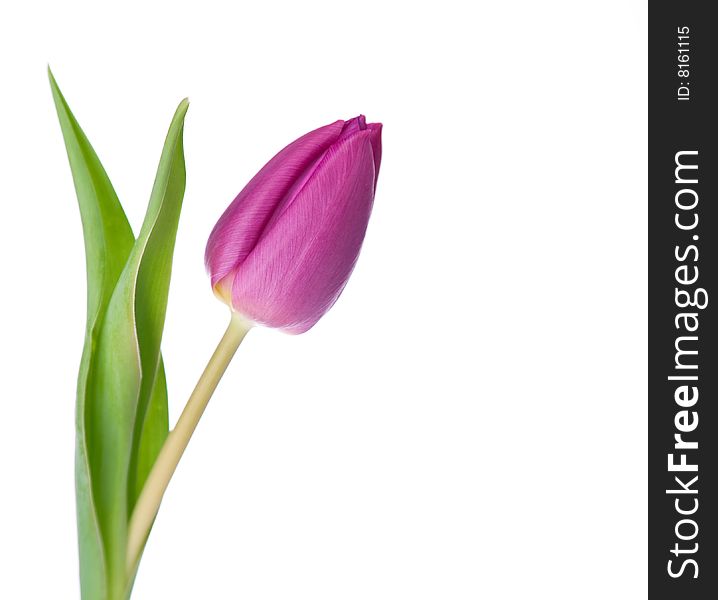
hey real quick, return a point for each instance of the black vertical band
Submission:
(683, 361)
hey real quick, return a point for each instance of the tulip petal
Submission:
(240, 227)
(375, 137)
(353, 125)
(300, 265)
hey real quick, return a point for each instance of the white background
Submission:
(469, 421)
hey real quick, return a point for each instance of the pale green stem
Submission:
(150, 498)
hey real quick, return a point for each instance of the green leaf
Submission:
(151, 437)
(109, 243)
(128, 358)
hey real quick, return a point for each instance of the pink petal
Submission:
(241, 225)
(302, 262)
(375, 138)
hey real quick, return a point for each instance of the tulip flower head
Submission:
(282, 252)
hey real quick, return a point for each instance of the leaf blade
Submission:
(108, 243)
(153, 433)
(128, 354)
(153, 279)
(108, 239)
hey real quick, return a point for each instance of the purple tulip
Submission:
(282, 252)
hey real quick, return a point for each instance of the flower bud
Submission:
(282, 252)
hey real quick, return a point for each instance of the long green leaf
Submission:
(108, 243)
(128, 357)
(149, 437)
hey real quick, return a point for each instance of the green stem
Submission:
(150, 498)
